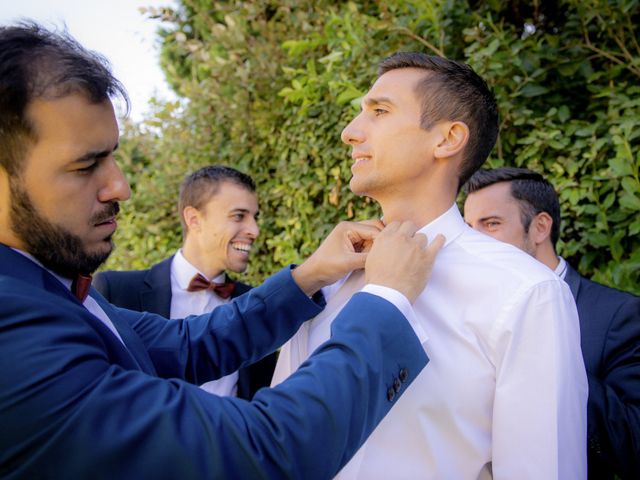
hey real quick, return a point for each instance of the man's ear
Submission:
(192, 217)
(455, 138)
(540, 228)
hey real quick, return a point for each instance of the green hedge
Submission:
(267, 87)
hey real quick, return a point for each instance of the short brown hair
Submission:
(198, 187)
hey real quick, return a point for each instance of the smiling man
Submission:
(218, 208)
(504, 395)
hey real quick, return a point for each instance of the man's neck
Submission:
(419, 211)
(547, 255)
(201, 262)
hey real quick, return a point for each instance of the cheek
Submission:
(510, 235)
(72, 214)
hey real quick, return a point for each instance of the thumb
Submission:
(355, 260)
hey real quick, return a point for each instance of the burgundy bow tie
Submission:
(80, 286)
(223, 290)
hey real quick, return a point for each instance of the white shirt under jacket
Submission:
(185, 303)
(504, 395)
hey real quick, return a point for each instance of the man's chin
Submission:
(237, 267)
(355, 187)
(97, 255)
(104, 247)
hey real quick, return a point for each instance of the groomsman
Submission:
(218, 210)
(520, 207)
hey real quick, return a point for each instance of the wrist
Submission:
(306, 279)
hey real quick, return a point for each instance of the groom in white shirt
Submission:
(504, 395)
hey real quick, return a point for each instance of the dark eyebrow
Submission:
(490, 217)
(93, 155)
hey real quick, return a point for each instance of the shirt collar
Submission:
(183, 271)
(561, 269)
(450, 224)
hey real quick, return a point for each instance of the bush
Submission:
(268, 86)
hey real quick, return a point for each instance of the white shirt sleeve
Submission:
(541, 382)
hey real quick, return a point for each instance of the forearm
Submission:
(126, 424)
(201, 348)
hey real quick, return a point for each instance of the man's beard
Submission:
(56, 248)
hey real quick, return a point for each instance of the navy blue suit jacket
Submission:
(76, 403)
(150, 291)
(610, 336)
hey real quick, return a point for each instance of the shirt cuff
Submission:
(401, 303)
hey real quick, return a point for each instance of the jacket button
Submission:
(391, 394)
(404, 375)
(396, 385)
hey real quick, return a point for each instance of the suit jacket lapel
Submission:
(156, 297)
(572, 278)
(37, 277)
(130, 339)
(240, 288)
(31, 273)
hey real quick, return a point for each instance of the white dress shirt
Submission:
(504, 395)
(185, 303)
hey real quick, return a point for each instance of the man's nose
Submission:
(252, 229)
(116, 187)
(352, 133)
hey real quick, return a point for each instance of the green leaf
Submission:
(630, 185)
(620, 167)
(631, 202)
(347, 95)
(563, 113)
(533, 90)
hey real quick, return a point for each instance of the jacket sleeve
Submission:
(67, 411)
(614, 396)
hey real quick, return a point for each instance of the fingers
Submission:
(402, 258)
(354, 261)
(361, 235)
(366, 231)
(374, 222)
(407, 228)
(436, 244)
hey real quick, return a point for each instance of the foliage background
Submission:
(267, 87)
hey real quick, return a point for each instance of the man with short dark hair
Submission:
(504, 395)
(89, 390)
(520, 207)
(218, 208)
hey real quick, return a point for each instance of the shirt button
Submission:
(391, 394)
(396, 385)
(404, 375)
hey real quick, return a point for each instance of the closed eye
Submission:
(87, 169)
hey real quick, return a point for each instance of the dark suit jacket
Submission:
(75, 403)
(610, 336)
(150, 291)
